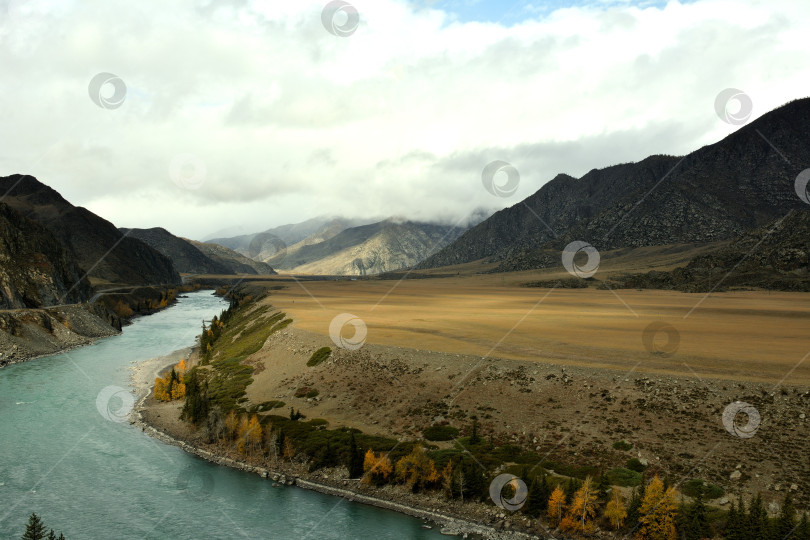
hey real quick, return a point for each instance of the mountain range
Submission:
(716, 193)
(106, 256)
(339, 246)
(191, 257)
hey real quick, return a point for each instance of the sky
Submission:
(219, 117)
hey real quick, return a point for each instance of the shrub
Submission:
(695, 487)
(319, 356)
(634, 464)
(306, 392)
(622, 445)
(440, 433)
(267, 406)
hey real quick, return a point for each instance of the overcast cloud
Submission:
(288, 121)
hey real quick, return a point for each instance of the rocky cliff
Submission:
(35, 270)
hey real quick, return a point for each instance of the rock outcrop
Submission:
(35, 270)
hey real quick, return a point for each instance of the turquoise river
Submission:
(95, 478)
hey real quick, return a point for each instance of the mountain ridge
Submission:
(106, 254)
(716, 192)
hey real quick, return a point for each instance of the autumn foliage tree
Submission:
(171, 385)
(582, 511)
(658, 512)
(377, 469)
(417, 470)
(249, 434)
(615, 511)
(556, 506)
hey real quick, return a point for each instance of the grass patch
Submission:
(624, 477)
(440, 433)
(251, 328)
(245, 332)
(319, 356)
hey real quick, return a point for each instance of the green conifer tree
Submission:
(355, 459)
(35, 530)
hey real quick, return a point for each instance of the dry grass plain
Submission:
(741, 336)
(562, 372)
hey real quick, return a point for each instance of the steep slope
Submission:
(35, 270)
(715, 193)
(371, 249)
(233, 262)
(776, 256)
(264, 245)
(185, 257)
(102, 250)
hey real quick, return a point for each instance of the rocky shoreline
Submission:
(450, 524)
(27, 334)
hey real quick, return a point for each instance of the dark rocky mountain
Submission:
(234, 262)
(715, 193)
(94, 243)
(185, 257)
(369, 249)
(35, 270)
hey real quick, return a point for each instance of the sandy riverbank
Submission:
(161, 421)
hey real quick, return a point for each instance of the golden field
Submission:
(746, 336)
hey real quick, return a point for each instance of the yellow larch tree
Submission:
(241, 433)
(162, 389)
(377, 468)
(417, 470)
(658, 512)
(556, 505)
(616, 511)
(582, 512)
(253, 435)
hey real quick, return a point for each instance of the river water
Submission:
(84, 473)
